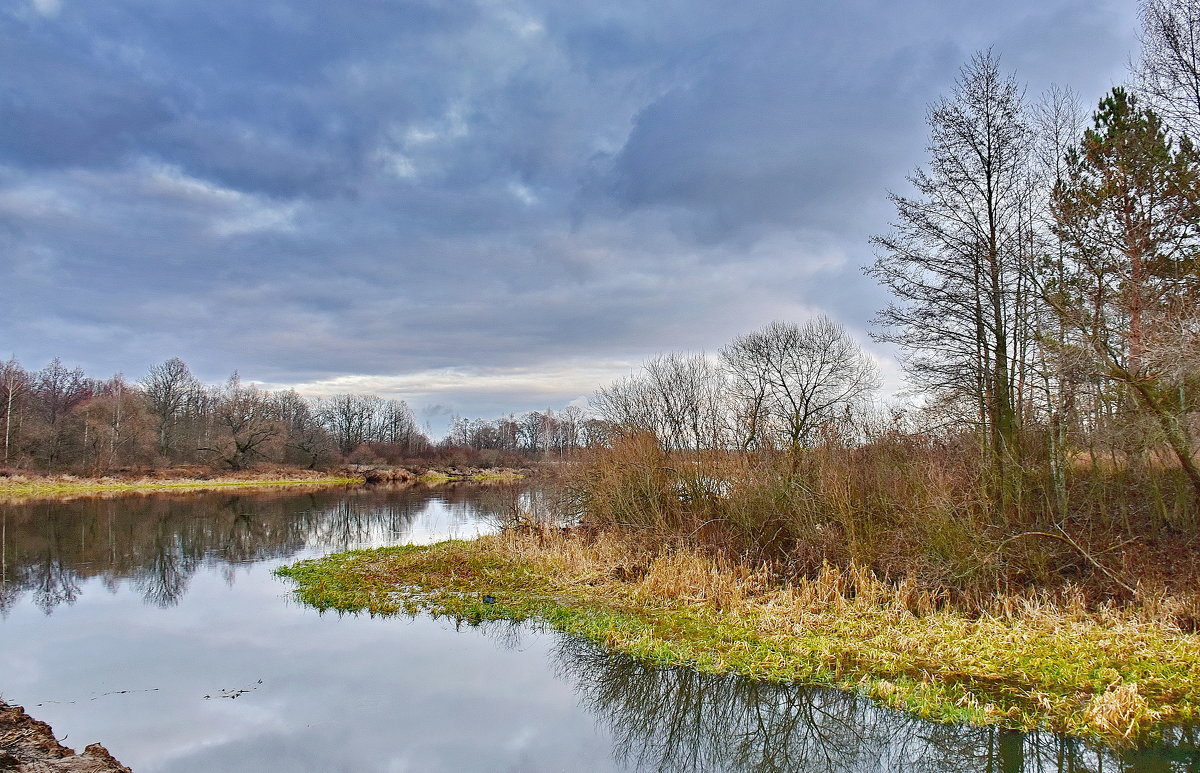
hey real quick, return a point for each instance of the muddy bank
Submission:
(29, 745)
(400, 474)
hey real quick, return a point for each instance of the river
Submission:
(154, 625)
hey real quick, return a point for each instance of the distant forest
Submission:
(58, 419)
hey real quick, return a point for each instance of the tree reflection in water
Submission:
(159, 542)
(660, 719)
(675, 719)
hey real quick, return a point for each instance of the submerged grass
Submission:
(1110, 675)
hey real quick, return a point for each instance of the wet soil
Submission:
(29, 746)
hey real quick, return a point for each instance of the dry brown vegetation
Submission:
(914, 511)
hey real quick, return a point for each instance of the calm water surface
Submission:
(154, 625)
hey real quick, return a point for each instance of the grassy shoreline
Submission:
(51, 488)
(28, 487)
(1111, 676)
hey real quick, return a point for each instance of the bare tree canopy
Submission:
(677, 397)
(791, 379)
(957, 261)
(1168, 74)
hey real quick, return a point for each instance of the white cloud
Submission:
(522, 193)
(47, 7)
(567, 381)
(229, 212)
(397, 164)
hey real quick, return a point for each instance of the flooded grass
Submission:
(1118, 676)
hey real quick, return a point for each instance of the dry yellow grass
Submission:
(24, 488)
(1116, 674)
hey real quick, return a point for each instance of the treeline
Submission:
(58, 419)
(1045, 273)
(534, 434)
(780, 389)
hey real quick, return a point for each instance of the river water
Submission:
(154, 625)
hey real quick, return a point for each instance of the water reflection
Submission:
(674, 719)
(158, 543)
(362, 693)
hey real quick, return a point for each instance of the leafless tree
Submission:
(677, 397)
(349, 418)
(1058, 123)
(791, 379)
(398, 428)
(1168, 74)
(958, 260)
(246, 424)
(305, 441)
(14, 383)
(117, 427)
(174, 393)
(57, 390)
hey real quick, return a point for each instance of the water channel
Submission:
(155, 626)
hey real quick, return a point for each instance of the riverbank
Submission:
(23, 486)
(28, 744)
(1118, 676)
(20, 487)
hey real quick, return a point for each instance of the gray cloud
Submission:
(393, 191)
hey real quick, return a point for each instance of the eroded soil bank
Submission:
(29, 745)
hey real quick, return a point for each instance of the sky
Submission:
(480, 207)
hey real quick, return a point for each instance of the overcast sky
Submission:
(479, 207)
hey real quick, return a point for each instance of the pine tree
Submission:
(1128, 213)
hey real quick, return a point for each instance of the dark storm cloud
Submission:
(385, 193)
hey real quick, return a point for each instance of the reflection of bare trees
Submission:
(158, 543)
(164, 580)
(675, 719)
(503, 504)
(52, 584)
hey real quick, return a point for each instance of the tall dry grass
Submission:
(912, 509)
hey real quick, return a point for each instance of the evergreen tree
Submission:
(1128, 213)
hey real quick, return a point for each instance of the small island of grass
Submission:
(1111, 675)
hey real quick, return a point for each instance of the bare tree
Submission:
(350, 418)
(172, 390)
(569, 428)
(1058, 124)
(118, 429)
(798, 378)
(958, 259)
(304, 439)
(398, 428)
(532, 432)
(57, 390)
(14, 382)
(677, 397)
(1168, 74)
(246, 424)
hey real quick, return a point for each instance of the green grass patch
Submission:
(37, 488)
(1104, 676)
